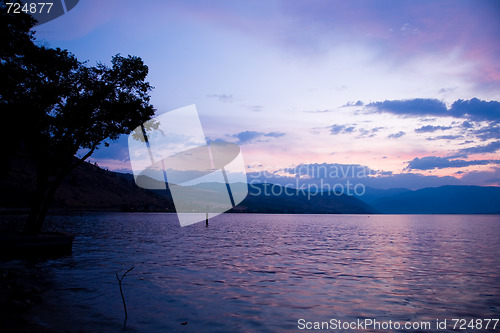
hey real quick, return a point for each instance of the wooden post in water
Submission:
(206, 219)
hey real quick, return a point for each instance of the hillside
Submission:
(271, 198)
(262, 198)
(372, 195)
(91, 188)
(441, 200)
(88, 188)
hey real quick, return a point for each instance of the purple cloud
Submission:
(484, 149)
(338, 129)
(332, 173)
(446, 137)
(488, 132)
(476, 109)
(404, 30)
(411, 107)
(396, 135)
(436, 162)
(467, 124)
(430, 128)
(250, 136)
(473, 109)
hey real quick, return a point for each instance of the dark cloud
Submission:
(430, 128)
(225, 98)
(473, 109)
(487, 177)
(363, 133)
(489, 148)
(410, 180)
(274, 134)
(210, 140)
(436, 162)
(411, 107)
(467, 124)
(337, 129)
(488, 132)
(325, 174)
(249, 136)
(348, 129)
(368, 132)
(396, 135)
(493, 180)
(358, 103)
(446, 137)
(476, 109)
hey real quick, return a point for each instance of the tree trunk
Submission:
(45, 188)
(43, 198)
(36, 216)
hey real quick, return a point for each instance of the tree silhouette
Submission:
(54, 106)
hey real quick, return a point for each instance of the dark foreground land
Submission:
(30, 302)
(26, 304)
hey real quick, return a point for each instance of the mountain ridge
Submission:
(446, 199)
(90, 188)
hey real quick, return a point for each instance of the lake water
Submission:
(260, 273)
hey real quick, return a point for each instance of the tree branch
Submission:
(121, 291)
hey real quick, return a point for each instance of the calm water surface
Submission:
(252, 272)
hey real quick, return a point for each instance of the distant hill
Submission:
(372, 195)
(91, 188)
(88, 188)
(270, 198)
(449, 199)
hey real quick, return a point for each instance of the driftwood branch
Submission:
(121, 291)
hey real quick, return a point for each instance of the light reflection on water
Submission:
(252, 272)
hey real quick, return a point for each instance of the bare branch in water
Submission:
(121, 292)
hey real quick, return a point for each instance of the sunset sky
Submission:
(408, 89)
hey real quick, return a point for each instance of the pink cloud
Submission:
(397, 30)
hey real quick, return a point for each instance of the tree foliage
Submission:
(54, 106)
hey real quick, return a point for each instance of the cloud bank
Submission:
(473, 109)
(435, 162)
(251, 136)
